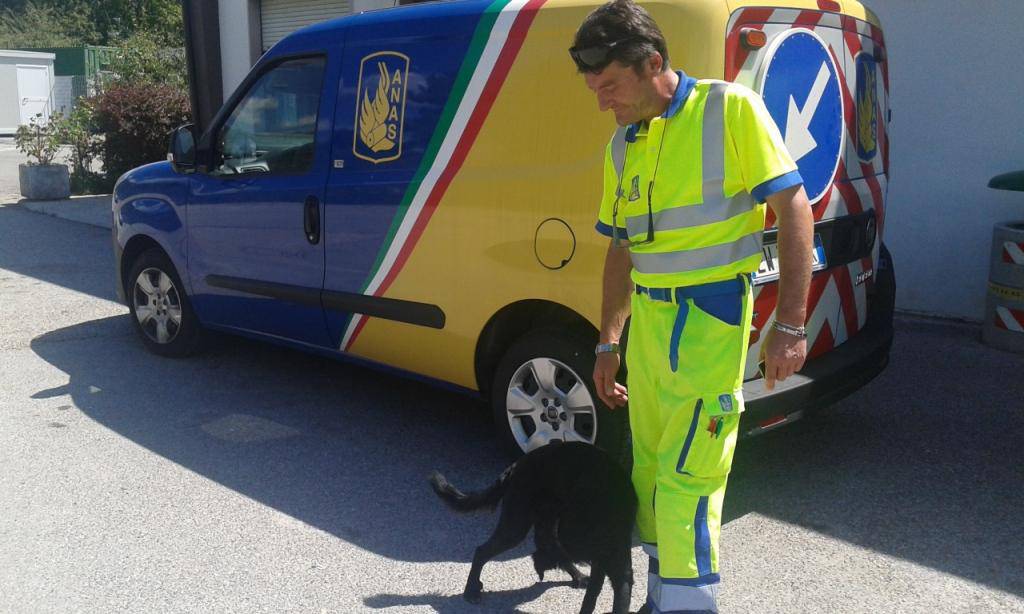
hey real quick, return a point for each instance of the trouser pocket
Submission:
(710, 441)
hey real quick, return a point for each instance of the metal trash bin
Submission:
(1004, 304)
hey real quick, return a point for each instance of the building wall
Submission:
(958, 116)
(10, 113)
(238, 20)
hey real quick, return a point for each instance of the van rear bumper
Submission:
(829, 377)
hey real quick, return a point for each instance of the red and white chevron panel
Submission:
(1013, 253)
(1009, 319)
(837, 304)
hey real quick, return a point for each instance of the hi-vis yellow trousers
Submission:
(685, 356)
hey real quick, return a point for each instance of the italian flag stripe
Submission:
(496, 42)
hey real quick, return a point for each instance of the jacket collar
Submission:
(679, 97)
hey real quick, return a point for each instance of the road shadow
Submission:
(70, 254)
(493, 601)
(924, 464)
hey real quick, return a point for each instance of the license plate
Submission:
(769, 269)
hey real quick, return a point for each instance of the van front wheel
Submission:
(543, 391)
(160, 308)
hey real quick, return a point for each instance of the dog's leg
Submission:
(594, 586)
(545, 533)
(621, 576)
(622, 589)
(513, 525)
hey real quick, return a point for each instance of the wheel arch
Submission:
(135, 246)
(513, 321)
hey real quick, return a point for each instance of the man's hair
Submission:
(627, 21)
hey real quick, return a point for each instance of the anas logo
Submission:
(867, 107)
(634, 190)
(380, 106)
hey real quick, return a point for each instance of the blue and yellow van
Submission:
(416, 188)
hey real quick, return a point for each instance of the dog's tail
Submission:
(467, 502)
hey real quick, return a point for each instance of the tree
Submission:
(34, 25)
(141, 58)
(51, 23)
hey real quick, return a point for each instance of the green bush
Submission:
(78, 130)
(136, 120)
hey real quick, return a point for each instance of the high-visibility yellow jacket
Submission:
(697, 176)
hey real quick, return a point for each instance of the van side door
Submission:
(256, 250)
(397, 81)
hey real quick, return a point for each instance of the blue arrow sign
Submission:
(800, 87)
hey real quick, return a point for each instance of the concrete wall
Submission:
(63, 95)
(958, 115)
(239, 20)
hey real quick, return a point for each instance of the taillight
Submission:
(770, 422)
(753, 38)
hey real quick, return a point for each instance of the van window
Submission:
(272, 128)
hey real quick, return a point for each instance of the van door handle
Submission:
(311, 219)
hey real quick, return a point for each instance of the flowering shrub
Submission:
(136, 120)
(37, 140)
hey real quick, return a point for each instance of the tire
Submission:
(543, 391)
(160, 309)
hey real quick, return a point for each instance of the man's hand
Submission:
(612, 393)
(783, 356)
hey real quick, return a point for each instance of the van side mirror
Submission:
(182, 150)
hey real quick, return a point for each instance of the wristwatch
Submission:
(606, 347)
(797, 331)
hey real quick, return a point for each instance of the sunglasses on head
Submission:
(595, 57)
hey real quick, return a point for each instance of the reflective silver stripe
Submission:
(700, 258)
(687, 216)
(715, 207)
(713, 145)
(676, 598)
(619, 150)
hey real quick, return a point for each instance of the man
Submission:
(686, 179)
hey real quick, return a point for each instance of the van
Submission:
(416, 189)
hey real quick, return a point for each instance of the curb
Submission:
(92, 210)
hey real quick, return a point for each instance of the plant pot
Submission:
(44, 181)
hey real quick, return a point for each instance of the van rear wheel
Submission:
(543, 392)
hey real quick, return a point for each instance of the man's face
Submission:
(618, 87)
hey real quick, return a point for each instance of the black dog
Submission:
(581, 505)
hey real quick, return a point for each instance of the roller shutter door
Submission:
(280, 18)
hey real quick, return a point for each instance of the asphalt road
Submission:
(257, 479)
